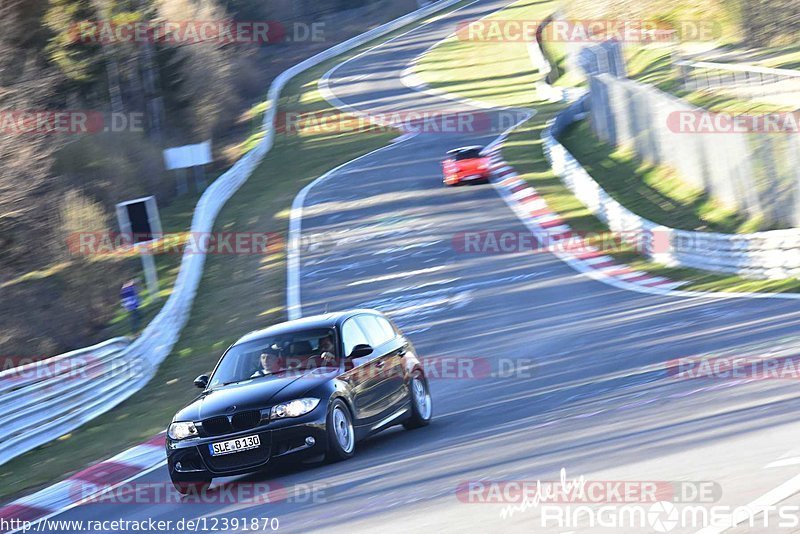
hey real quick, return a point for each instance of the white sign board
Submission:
(184, 157)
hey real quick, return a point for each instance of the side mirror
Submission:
(201, 381)
(359, 351)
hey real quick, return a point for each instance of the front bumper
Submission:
(454, 179)
(287, 439)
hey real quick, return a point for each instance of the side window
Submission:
(352, 336)
(388, 329)
(375, 331)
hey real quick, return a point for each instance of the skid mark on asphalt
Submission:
(382, 227)
(414, 312)
(394, 276)
(408, 289)
(413, 309)
(394, 250)
(348, 265)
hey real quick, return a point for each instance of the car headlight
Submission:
(294, 408)
(182, 430)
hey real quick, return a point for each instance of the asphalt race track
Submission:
(577, 367)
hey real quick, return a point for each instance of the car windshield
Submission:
(288, 352)
(468, 154)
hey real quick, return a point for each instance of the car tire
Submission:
(421, 403)
(341, 434)
(191, 485)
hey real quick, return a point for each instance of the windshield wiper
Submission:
(234, 382)
(254, 377)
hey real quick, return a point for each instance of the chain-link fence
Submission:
(747, 82)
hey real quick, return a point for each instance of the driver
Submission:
(270, 364)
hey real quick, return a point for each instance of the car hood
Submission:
(467, 164)
(252, 394)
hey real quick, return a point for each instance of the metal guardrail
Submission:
(38, 396)
(42, 408)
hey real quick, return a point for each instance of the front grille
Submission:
(217, 426)
(239, 422)
(237, 460)
(246, 420)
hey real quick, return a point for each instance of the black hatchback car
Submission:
(303, 389)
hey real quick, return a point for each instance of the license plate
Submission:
(235, 445)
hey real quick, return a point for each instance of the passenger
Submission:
(327, 351)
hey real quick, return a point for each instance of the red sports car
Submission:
(466, 164)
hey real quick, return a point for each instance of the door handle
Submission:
(380, 364)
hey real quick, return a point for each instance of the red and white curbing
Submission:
(87, 483)
(532, 209)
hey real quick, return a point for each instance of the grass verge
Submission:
(177, 217)
(656, 193)
(461, 67)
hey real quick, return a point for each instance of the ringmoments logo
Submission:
(579, 503)
(665, 516)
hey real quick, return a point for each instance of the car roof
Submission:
(326, 320)
(465, 149)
